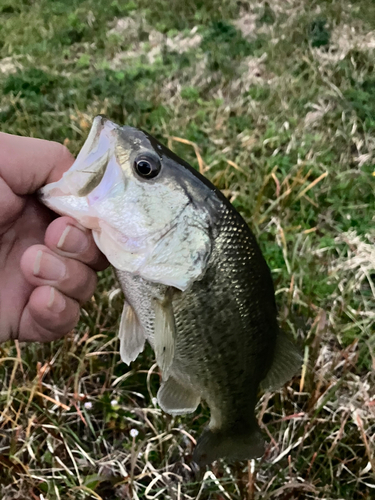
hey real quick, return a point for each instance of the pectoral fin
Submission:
(177, 399)
(131, 335)
(165, 334)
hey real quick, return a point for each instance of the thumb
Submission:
(26, 164)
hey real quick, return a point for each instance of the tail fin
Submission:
(231, 444)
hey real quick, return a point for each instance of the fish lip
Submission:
(101, 127)
(98, 126)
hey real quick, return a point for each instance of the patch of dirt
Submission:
(153, 41)
(254, 73)
(344, 39)
(358, 262)
(314, 117)
(8, 66)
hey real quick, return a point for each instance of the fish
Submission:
(197, 287)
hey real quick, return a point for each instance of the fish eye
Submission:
(147, 167)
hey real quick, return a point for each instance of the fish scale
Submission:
(213, 339)
(196, 285)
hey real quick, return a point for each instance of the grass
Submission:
(279, 99)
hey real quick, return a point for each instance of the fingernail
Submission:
(73, 240)
(56, 302)
(48, 267)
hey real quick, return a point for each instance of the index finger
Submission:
(26, 164)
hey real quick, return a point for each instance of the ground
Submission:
(275, 101)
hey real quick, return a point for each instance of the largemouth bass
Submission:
(196, 285)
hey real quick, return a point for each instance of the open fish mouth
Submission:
(90, 166)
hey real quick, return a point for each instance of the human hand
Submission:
(47, 265)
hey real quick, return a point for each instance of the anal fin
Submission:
(131, 335)
(176, 399)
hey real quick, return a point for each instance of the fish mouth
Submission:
(90, 165)
(99, 125)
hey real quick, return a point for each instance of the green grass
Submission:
(284, 118)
